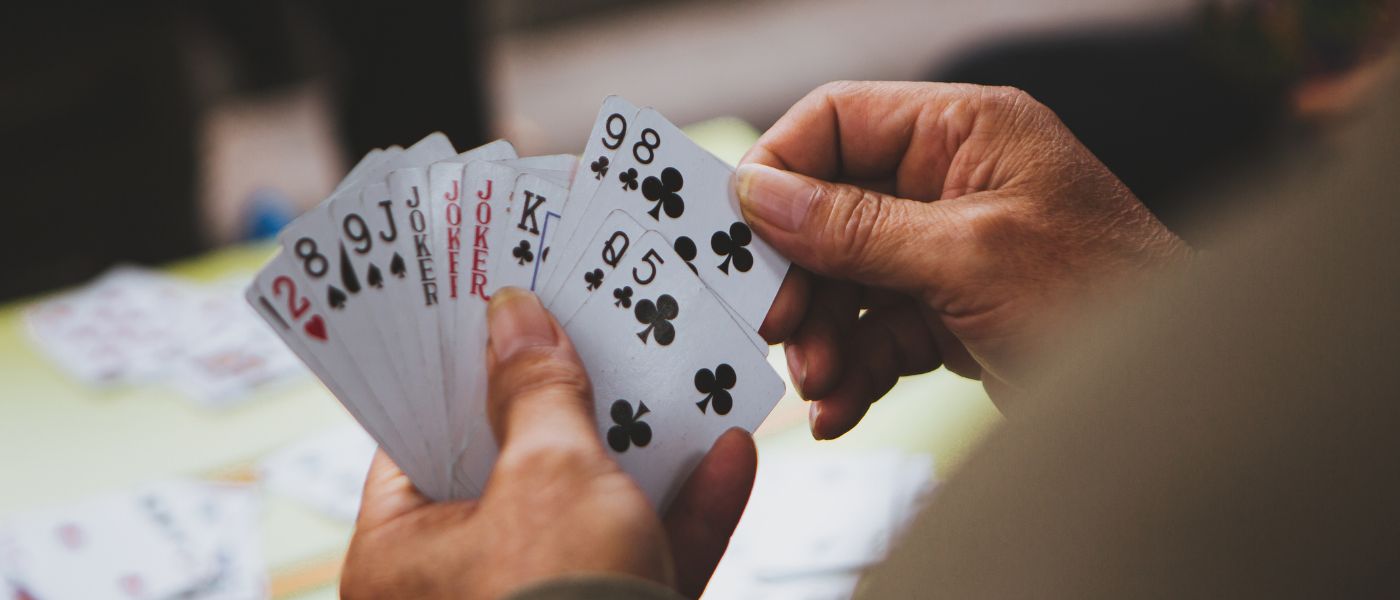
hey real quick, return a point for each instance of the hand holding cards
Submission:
(381, 290)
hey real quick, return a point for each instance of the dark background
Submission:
(101, 106)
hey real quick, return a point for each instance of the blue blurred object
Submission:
(267, 212)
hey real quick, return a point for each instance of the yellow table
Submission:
(63, 441)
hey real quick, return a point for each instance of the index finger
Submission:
(900, 137)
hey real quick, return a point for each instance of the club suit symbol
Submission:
(623, 296)
(657, 317)
(628, 430)
(593, 279)
(628, 179)
(665, 192)
(732, 245)
(685, 248)
(522, 253)
(716, 386)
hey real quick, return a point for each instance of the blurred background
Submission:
(164, 129)
(176, 135)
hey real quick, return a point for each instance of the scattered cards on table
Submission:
(325, 472)
(815, 521)
(177, 539)
(140, 326)
(638, 249)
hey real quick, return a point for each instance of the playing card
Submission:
(326, 472)
(600, 256)
(331, 245)
(671, 371)
(419, 312)
(668, 183)
(536, 205)
(280, 299)
(814, 521)
(128, 326)
(562, 165)
(115, 546)
(591, 269)
(487, 187)
(223, 521)
(229, 352)
(381, 290)
(371, 345)
(605, 138)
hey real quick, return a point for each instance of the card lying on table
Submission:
(641, 254)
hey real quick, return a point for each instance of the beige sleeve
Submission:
(1234, 432)
(597, 587)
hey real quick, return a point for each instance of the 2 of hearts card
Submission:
(639, 250)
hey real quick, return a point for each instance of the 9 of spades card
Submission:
(579, 223)
(671, 369)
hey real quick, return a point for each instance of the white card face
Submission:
(280, 298)
(370, 159)
(557, 163)
(430, 149)
(331, 247)
(222, 522)
(113, 546)
(409, 188)
(591, 271)
(448, 200)
(129, 326)
(371, 343)
(325, 472)
(536, 205)
(671, 370)
(609, 130)
(487, 189)
(608, 247)
(233, 353)
(671, 185)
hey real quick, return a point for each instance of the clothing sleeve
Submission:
(597, 587)
(1229, 434)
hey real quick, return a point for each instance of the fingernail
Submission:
(517, 321)
(778, 198)
(814, 412)
(797, 367)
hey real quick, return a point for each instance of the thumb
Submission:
(846, 232)
(538, 391)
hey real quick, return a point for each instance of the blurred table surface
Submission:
(63, 440)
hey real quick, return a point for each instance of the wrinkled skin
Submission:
(960, 218)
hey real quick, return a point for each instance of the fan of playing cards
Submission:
(640, 252)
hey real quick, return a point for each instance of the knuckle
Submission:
(1016, 104)
(550, 457)
(542, 371)
(836, 88)
(994, 231)
(833, 92)
(855, 219)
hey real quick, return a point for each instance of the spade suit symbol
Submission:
(347, 272)
(396, 266)
(375, 277)
(335, 297)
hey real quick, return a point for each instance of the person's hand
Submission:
(960, 217)
(555, 504)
